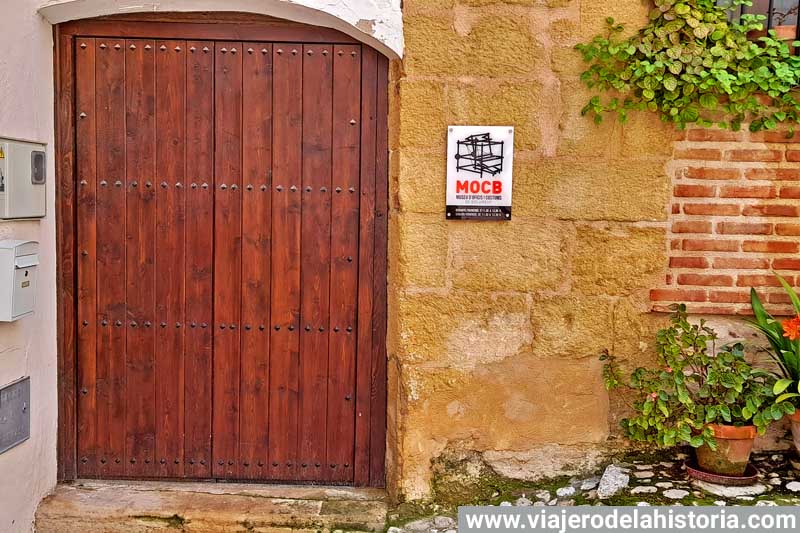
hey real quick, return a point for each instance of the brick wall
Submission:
(735, 217)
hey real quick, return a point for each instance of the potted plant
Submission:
(713, 401)
(784, 348)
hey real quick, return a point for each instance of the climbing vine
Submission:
(695, 63)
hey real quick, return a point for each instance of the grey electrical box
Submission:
(23, 175)
(15, 413)
(19, 265)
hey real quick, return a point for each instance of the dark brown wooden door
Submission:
(226, 238)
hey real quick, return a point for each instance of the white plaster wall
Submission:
(378, 23)
(28, 346)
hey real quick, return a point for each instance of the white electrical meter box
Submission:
(19, 262)
(23, 174)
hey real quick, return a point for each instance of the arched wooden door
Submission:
(229, 230)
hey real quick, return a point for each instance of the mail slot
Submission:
(19, 265)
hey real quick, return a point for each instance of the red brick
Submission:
(688, 262)
(714, 135)
(755, 155)
(728, 297)
(778, 298)
(675, 244)
(793, 155)
(755, 280)
(791, 230)
(706, 173)
(769, 210)
(790, 192)
(712, 309)
(710, 245)
(775, 310)
(786, 264)
(744, 228)
(704, 154)
(676, 209)
(792, 174)
(711, 280)
(712, 209)
(748, 191)
(774, 137)
(772, 247)
(677, 295)
(691, 226)
(740, 263)
(694, 191)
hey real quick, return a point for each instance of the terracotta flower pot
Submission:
(732, 455)
(795, 420)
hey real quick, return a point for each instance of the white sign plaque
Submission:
(480, 162)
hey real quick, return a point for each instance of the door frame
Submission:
(371, 378)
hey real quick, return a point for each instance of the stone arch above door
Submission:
(378, 23)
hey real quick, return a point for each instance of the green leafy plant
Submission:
(694, 386)
(784, 341)
(693, 63)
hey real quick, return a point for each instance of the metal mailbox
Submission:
(19, 265)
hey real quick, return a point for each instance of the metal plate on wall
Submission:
(15, 413)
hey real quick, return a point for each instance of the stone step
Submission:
(145, 506)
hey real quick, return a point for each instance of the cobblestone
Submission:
(643, 482)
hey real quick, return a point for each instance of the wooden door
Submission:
(229, 213)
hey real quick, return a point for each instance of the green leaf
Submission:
(791, 292)
(781, 385)
(783, 397)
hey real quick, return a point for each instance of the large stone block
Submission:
(572, 327)
(515, 104)
(510, 405)
(635, 330)
(422, 184)
(618, 259)
(579, 136)
(520, 255)
(631, 13)
(484, 45)
(412, 7)
(422, 240)
(645, 135)
(423, 120)
(585, 189)
(460, 329)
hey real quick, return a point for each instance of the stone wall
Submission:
(495, 328)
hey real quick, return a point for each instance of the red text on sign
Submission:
(477, 186)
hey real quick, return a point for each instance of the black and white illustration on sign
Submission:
(479, 169)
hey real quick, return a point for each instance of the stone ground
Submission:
(637, 479)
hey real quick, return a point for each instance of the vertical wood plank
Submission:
(66, 232)
(365, 264)
(227, 256)
(199, 257)
(344, 260)
(285, 285)
(140, 124)
(170, 255)
(86, 156)
(110, 104)
(315, 261)
(378, 420)
(256, 229)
